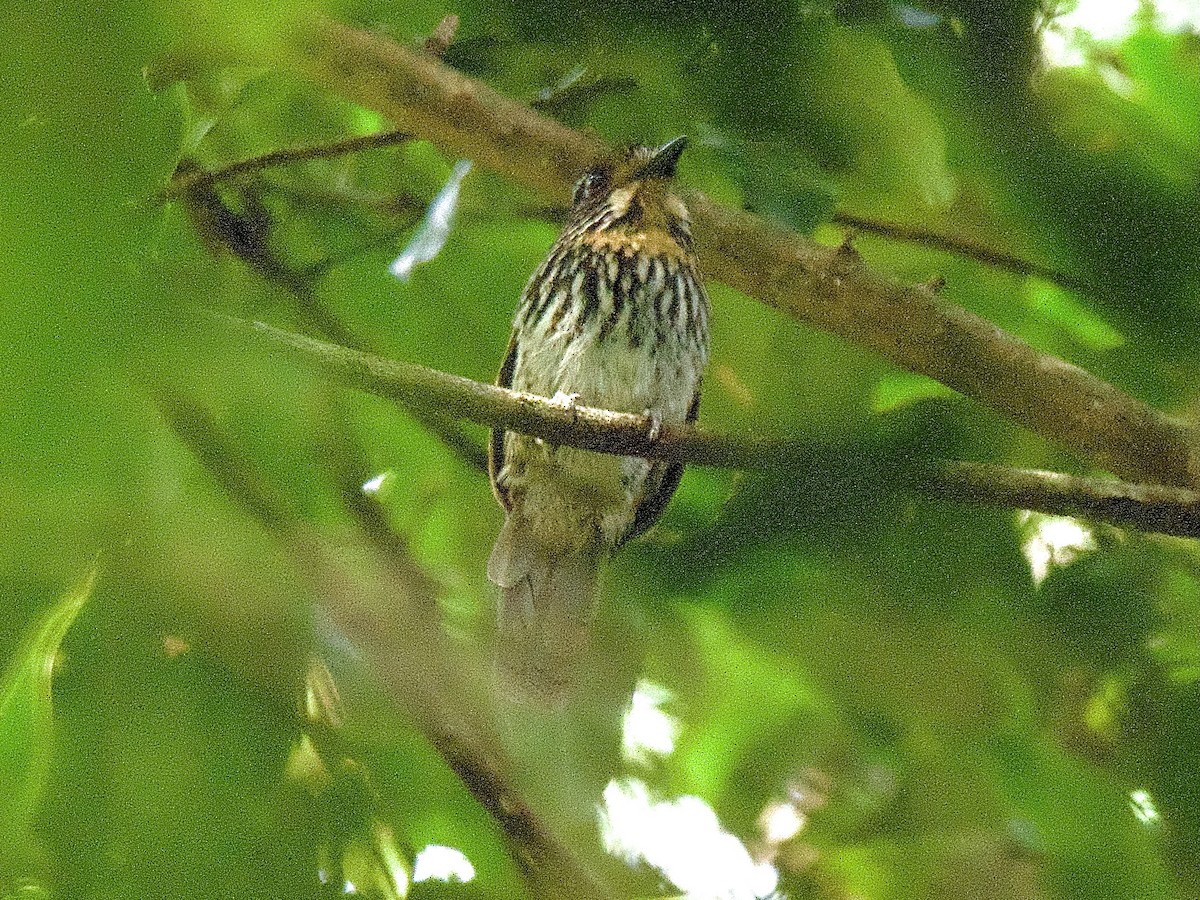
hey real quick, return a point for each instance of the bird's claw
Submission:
(569, 402)
(654, 431)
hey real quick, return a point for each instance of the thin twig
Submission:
(189, 180)
(1152, 508)
(246, 235)
(962, 247)
(829, 288)
(1144, 507)
(442, 37)
(348, 468)
(230, 469)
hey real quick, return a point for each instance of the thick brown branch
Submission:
(1152, 508)
(423, 95)
(828, 288)
(915, 328)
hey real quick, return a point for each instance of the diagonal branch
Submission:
(1153, 508)
(197, 178)
(461, 398)
(407, 649)
(828, 288)
(951, 244)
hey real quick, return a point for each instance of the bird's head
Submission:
(628, 200)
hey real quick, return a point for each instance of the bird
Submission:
(616, 317)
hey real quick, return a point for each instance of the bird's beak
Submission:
(662, 163)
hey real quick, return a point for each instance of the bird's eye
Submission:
(590, 186)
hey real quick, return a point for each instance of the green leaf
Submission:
(26, 714)
(902, 388)
(1061, 308)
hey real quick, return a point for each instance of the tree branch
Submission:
(828, 288)
(461, 398)
(1153, 508)
(392, 618)
(961, 247)
(1144, 507)
(196, 178)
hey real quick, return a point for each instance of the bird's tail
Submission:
(547, 600)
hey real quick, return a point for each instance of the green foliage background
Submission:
(977, 735)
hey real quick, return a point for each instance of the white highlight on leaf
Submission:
(1067, 38)
(915, 17)
(439, 217)
(684, 840)
(1053, 541)
(780, 822)
(440, 863)
(374, 485)
(647, 730)
(1142, 805)
(1177, 15)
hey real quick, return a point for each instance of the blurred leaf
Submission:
(431, 235)
(78, 238)
(777, 181)
(741, 669)
(903, 388)
(1086, 826)
(26, 712)
(570, 97)
(1063, 309)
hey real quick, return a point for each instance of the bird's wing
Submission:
(660, 486)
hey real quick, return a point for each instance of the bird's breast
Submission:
(625, 331)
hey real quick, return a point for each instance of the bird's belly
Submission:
(611, 373)
(563, 488)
